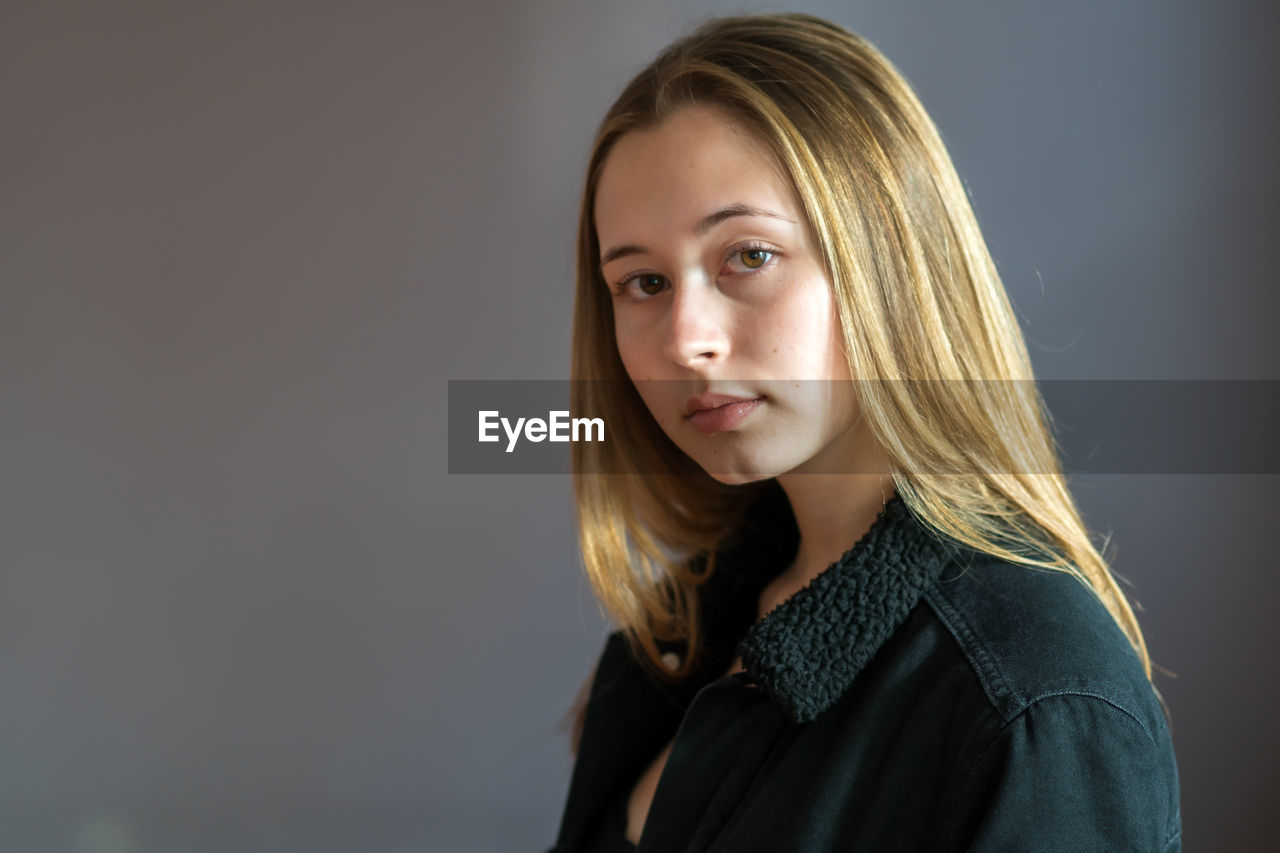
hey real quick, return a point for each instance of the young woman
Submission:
(858, 607)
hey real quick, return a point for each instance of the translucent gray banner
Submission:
(1100, 426)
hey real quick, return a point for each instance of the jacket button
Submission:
(671, 661)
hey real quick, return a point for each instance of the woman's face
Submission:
(719, 294)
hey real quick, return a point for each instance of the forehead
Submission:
(675, 173)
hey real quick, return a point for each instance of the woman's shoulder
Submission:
(1071, 716)
(1030, 634)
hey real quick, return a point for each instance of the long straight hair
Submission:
(918, 298)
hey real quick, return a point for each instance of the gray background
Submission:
(244, 246)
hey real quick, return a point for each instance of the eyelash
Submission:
(620, 286)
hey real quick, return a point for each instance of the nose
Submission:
(697, 325)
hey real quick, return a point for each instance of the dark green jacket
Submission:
(915, 696)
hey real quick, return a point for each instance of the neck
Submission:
(834, 510)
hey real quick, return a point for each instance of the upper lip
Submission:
(705, 401)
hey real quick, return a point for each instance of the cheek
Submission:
(643, 367)
(640, 361)
(630, 352)
(806, 333)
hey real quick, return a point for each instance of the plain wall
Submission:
(243, 247)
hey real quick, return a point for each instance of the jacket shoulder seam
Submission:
(990, 677)
(1010, 698)
(967, 776)
(1090, 694)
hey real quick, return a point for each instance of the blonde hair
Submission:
(918, 298)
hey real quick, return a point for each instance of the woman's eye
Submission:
(649, 284)
(753, 258)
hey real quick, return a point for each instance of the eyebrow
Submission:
(703, 225)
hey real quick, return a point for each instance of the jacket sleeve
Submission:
(1071, 772)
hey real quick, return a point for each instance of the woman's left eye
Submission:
(750, 259)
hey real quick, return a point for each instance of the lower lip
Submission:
(725, 417)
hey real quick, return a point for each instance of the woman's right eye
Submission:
(648, 284)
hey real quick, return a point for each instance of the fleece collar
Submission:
(807, 651)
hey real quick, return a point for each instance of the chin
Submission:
(742, 470)
(737, 478)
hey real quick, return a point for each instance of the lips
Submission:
(704, 402)
(712, 413)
